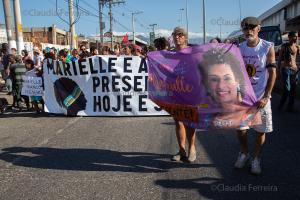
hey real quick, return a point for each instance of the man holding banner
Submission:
(259, 57)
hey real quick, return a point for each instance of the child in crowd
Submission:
(34, 72)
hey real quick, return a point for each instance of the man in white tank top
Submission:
(259, 58)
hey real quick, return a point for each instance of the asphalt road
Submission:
(58, 157)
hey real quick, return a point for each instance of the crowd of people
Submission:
(13, 66)
(263, 53)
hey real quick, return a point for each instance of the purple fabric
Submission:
(175, 79)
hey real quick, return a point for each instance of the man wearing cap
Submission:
(180, 40)
(259, 58)
(289, 70)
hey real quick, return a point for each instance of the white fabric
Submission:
(266, 125)
(132, 102)
(255, 59)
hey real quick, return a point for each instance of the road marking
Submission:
(71, 122)
(46, 140)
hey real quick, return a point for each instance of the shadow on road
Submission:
(91, 160)
(280, 162)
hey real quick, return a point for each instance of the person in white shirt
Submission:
(259, 58)
(37, 59)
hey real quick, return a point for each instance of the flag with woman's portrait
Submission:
(205, 86)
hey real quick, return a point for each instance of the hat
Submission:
(179, 30)
(292, 34)
(47, 49)
(250, 21)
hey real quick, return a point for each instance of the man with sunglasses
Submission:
(259, 58)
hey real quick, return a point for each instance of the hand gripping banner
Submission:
(204, 86)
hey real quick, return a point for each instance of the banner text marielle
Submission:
(125, 76)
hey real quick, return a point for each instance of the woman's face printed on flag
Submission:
(222, 83)
(222, 76)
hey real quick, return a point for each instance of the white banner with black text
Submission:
(99, 86)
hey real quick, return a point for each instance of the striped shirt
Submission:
(17, 70)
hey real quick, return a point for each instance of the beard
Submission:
(250, 38)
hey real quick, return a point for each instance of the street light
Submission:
(203, 2)
(133, 28)
(181, 10)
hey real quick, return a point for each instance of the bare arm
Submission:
(272, 78)
(272, 72)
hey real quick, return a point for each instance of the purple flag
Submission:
(204, 86)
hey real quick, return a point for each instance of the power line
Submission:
(89, 13)
(137, 20)
(78, 14)
(142, 19)
(95, 15)
(89, 5)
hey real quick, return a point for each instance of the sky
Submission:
(222, 16)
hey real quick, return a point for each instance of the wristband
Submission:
(272, 65)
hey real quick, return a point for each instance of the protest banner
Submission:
(204, 86)
(99, 86)
(32, 86)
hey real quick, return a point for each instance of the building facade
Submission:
(285, 14)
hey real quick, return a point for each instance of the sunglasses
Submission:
(178, 34)
(249, 27)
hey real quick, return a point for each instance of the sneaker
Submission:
(241, 160)
(179, 156)
(255, 166)
(192, 156)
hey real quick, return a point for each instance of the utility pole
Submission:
(153, 25)
(72, 26)
(8, 20)
(102, 25)
(187, 19)
(152, 36)
(133, 28)
(204, 34)
(18, 26)
(181, 10)
(110, 3)
(101, 4)
(110, 24)
(240, 8)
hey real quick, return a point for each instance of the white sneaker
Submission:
(241, 160)
(255, 166)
